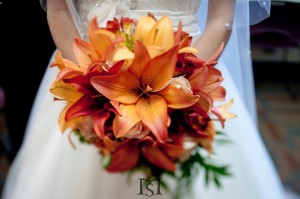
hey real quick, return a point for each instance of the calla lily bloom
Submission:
(146, 89)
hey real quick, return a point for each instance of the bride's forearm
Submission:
(218, 27)
(61, 26)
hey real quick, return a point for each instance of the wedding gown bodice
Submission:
(178, 10)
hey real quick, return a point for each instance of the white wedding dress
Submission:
(47, 167)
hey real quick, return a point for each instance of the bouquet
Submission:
(141, 95)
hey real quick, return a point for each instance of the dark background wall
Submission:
(26, 46)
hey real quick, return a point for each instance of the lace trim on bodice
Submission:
(103, 9)
(177, 10)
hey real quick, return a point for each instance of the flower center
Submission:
(145, 90)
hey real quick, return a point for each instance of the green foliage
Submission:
(80, 137)
(189, 170)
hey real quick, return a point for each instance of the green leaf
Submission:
(164, 185)
(217, 181)
(207, 177)
(105, 160)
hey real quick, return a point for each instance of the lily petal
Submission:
(218, 94)
(207, 142)
(178, 33)
(172, 150)
(208, 88)
(116, 68)
(153, 112)
(122, 124)
(188, 50)
(121, 87)
(62, 63)
(223, 110)
(93, 26)
(143, 27)
(205, 102)
(67, 72)
(101, 41)
(82, 51)
(63, 124)
(199, 78)
(86, 105)
(99, 121)
(111, 145)
(122, 53)
(178, 98)
(155, 51)
(65, 91)
(159, 71)
(58, 61)
(158, 158)
(141, 58)
(161, 34)
(125, 158)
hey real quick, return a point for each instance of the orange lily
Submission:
(65, 92)
(222, 112)
(157, 36)
(206, 81)
(146, 90)
(127, 154)
(101, 50)
(192, 125)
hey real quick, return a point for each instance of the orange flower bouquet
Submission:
(140, 94)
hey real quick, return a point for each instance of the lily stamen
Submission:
(154, 38)
(148, 89)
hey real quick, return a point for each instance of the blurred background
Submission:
(275, 44)
(275, 47)
(23, 32)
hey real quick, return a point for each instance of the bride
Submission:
(47, 167)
